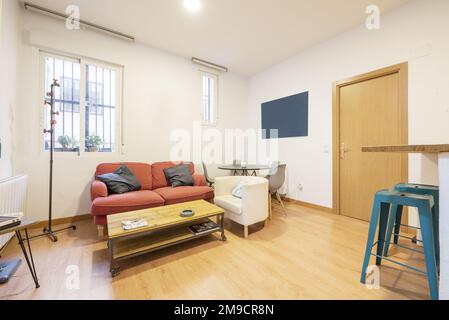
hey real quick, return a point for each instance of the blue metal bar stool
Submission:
(396, 216)
(383, 200)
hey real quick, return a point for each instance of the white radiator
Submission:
(13, 193)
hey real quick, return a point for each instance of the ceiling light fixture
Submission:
(192, 5)
(209, 64)
(52, 13)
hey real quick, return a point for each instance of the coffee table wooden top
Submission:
(160, 217)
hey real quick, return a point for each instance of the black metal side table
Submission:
(23, 227)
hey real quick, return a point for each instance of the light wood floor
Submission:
(305, 255)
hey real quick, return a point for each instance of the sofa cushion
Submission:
(199, 180)
(158, 176)
(135, 200)
(120, 181)
(184, 194)
(142, 171)
(230, 203)
(178, 176)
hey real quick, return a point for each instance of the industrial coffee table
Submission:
(165, 228)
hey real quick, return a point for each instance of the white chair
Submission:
(276, 179)
(251, 208)
(210, 181)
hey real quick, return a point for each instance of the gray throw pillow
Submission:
(120, 181)
(179, 175)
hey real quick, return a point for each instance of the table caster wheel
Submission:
(115, 271)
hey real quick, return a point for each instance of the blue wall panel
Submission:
(290, 115)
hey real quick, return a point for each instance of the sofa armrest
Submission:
(98, 190)
(199, 180)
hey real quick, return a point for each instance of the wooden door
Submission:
(370, 112)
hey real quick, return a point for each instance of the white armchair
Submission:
(251, 208)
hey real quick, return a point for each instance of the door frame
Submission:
(402, 71)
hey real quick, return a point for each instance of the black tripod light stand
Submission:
(48, 231)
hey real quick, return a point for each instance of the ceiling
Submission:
(246, 36)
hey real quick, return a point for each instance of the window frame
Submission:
(215, 118)
(83, 61)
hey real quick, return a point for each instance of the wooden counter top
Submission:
(422, 148)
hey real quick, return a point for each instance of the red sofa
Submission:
(155, 190)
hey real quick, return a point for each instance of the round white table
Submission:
(245, 171)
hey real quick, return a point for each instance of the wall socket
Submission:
(300, 187)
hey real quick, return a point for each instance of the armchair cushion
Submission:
(238, 190)
(229, 202)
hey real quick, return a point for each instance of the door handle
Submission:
(343, 150)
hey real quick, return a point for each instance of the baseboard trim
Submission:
(310, 205)
(72, 219)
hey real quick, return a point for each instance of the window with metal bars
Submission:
(67, 102)
(83, 125)
(100, 109)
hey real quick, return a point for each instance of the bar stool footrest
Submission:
(406, 237)
(399, 263)
(409, 226)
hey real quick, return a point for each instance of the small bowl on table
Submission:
(187, 213)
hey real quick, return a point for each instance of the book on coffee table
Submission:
(134, 224)
(203, 227)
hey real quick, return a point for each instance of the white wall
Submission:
(417, 33)
(9, 41)
(161, 92)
